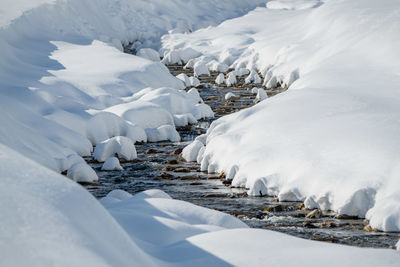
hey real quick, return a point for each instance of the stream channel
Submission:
(159, 166)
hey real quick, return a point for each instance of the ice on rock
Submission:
(120, 146)
(201, 69)
(163, 133)
(194, 81)
(112, 164)
(82, 172)
(229, 96)
(191, 151)
(261, 94)
(220, 79)
(184, 78)
(149, 54)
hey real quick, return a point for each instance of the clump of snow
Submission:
(81, 172)
(163, 133)
(112, 164)
(180, 56)
(149, 54)
(189, 153)
(120, 146)
(184, 78)
(231, 80)
(253, 78)
(220, 79)
(214, 65)
(194, 81)
(229, 96)
(261, 94)
(200, 69)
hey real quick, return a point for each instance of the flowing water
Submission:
(159, 166)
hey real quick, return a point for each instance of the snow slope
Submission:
(332, 139)
(61, 66)
(48, 220)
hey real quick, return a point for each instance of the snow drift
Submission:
(332, 138)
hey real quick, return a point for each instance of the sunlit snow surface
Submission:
(333, 137)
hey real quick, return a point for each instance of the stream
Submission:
(159, 166)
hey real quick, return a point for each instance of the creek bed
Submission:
(158, 166)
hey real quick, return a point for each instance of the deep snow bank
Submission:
(332, 139)
(61, 66)
(49, 220)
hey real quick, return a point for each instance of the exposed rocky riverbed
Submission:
(160, 166)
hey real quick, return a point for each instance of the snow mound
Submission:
(47, 216)
(163, 133)
(149, 54)
(81, 172)
(189, 153)
(180, 56)
(293, 4)
(200, 69)
(184, 78)
(120, 146)
(112, 164)
(229, 96)
(194, 81)
(261, 94)
(220, 79)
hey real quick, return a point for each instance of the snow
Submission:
(194, 81)
(81, 172)
(190, 152)
(253, 78)
(112, 164)
(49, 220)
(184, 78)
(200, 69)
(229, 96)
(220, 79)
(332, 137)
(121, 146)
(47, 217)
(261, 94)
(231, 80)
(149, 54)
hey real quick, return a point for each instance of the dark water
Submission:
(159, 167)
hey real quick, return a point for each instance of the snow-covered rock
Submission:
(200, 69)
(231, 80)
(81, 172)
(220, 79)
(120, 146)
(261, 94)
(229, 96)
(184, 78)
(194, 81)
(149, 54)
(112, 164)
(189, 153)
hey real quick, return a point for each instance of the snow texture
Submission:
(112, 164)
(332, 137)
(120, 146)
